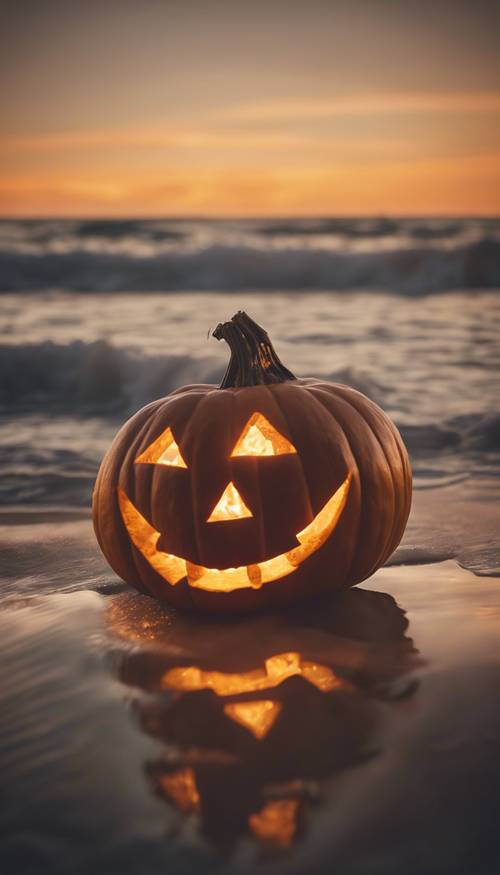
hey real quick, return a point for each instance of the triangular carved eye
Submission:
(163, 451)
(230, 506)
(260, 438)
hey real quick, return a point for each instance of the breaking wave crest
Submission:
(409, 270)
(100, 378)
(70, 399)
(93, 377)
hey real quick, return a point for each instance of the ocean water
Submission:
(412, 256)
(108, 771)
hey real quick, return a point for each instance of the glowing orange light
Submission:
(174, 569)
(181, 788)
(230, 506)
(276, 822)
(276, 669)
(163, 451)
(258, 717)
(260, 438)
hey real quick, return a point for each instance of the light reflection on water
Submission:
(138, 776)
(253, 730)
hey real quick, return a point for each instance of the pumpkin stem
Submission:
(253, 359)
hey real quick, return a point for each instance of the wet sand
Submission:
(359, 735)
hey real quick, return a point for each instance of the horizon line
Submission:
(199, 217)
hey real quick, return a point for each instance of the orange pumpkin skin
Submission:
(337, 433)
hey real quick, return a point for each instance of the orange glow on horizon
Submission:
(426, 187)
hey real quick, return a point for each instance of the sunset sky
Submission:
(212, 108)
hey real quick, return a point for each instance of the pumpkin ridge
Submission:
(331, 396)
(406, 464)
(192, 427)
(263, 540)
(284, 414)
(312, 393)
(407, 478)
(190, 435)
(128, 463)
(390, 538)
(396, 509)
(120, 466)
(398, 506)
(150, 472)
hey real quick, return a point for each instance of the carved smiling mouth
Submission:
(174, 569)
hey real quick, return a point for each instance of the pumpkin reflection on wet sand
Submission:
(259, 715)
(253, 494)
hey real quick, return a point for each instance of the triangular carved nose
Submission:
(230, 506)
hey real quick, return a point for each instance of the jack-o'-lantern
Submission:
(259, 714)
(256, 493)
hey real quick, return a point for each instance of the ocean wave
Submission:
(69, 400)
(416, 270)
(98, 377)
(117, 229)
(89, 377)
(372, 228)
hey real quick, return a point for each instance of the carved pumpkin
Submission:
(257, 493)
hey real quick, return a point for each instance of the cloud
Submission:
(219, 131)
(392, 104)
(169, 139)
